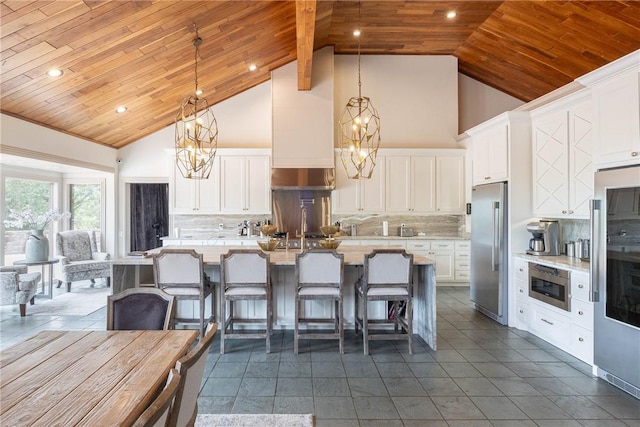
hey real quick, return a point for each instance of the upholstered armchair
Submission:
(80, 258)
(17, 286)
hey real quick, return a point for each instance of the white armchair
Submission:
(80, 257)
(17, 286)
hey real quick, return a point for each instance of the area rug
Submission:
(81, 301)
(255, 420)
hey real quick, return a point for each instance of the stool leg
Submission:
(341, 325)
(295, 326)
(365, 324)
(409, 317)
(223, 316)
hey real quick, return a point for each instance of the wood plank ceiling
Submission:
(140, 53)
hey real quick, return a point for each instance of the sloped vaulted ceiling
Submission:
(139, 53)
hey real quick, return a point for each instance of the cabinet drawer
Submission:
(549, 326)
(442, 246)
(463, 255)
(462, 264)
(463, 245)
(419, 246)
(582, 313)
(582, 343)
(580, 285)
(522, 314)
(522, 269)
(463, 276)
(522, 289)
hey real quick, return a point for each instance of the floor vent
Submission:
(620, 383)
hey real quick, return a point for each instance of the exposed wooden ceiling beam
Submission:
(305, 30)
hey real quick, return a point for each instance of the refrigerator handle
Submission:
(595, 216)
(495, 243)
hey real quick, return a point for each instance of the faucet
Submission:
(303, 226)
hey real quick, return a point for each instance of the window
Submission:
(85, 205)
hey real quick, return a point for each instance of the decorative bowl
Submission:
(330, 243)
(329, 230)
(268, 245)
(268, 229)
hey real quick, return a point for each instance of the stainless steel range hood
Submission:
(303, 179)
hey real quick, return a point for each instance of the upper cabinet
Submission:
(616, 103)
(490, 152)
(358, 195)
(410, 184)
(303, 121)
(194, 196)
(450, 196)
(562, 157)
(240, 182)
(245, 184)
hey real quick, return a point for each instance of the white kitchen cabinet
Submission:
(450, 184)
(356, 195)
(490, 151)
(442, 252)
(616, 100)
(410, 184)
(462, 267)
(562, 158)
(245, 184)
(194, 196)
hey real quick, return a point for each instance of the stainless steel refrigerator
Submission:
(615, 276)
(489, 250)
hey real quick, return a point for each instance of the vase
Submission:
(37, 248)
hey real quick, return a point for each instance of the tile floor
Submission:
(483, 374)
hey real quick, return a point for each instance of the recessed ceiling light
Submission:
(357, 33)
(121, 109)
(451, 14)
(253, 67)
(54, 72)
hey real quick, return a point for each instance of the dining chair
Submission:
(157, 414)
(319, 277)
(191, 369)
(244, 276)
(180, 272)
(140, 309)
(387, 277)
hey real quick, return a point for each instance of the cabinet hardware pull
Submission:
(521, 291)
(487, 177)
(580, 286)
(570, 212)
(564, 212)
(520, 269)
(581, 339)
(581, 313)
(546, 321)
(634, 153)
(521, 311)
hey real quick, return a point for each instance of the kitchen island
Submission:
(133, 272)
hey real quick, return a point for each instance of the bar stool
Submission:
(319, 276)
(244, 275)
(387, 277)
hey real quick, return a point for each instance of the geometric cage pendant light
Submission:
(360, 131)
(196, 137)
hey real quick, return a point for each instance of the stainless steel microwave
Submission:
(549, 285)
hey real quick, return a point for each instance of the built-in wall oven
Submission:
(550, 285)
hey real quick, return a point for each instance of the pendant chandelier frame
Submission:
(196, 130)
(359, 131)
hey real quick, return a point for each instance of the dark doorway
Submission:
(149, 219)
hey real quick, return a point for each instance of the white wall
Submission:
(478, 102)
(416, 96)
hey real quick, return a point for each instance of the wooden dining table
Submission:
(86, 378)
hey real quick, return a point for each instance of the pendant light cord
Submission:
(196, 42)
(359, 37)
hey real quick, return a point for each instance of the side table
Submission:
(48, 262)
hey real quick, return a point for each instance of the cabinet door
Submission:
(480, 160)
(372, 190)
(258, 191)
(207, 191)
(580, 160)
(345, 197)
(398, 179)
(617, 121)
(444, 265)
(182, 192)
(550, 165)
(490, 150)
(232, 184)
(450, 184)
(423, 184)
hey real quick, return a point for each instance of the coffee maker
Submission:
(546, 238)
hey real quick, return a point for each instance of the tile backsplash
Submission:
(431, 225)
(573, 229)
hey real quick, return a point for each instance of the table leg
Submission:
(50, 281)
(43, 278)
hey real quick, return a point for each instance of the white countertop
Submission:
(560, 261)
(216, 236)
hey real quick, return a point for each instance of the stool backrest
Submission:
(173, 267)
(388, 267)
(320, 266)
(244, 267)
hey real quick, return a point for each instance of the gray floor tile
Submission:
(217, 387)
(539, 408)
(619, 406)
(321, 422)
(457, 408)
(381, 423)
(294, 387)
(416, 408)
(253, 405)
(460, 370)
(331, 387)
(424, 423)
(394, 369)
(448, 356)
(507, 355)
(293, 405)
(441, 387)
(514, 387)
(387, 356)
(551, 387)
(580, 407)
(590, 386)
(367, 387)
(606, 423)
(326, 356)
(335, 407)
(527, 369)
(404, 387)
(257, 387)
(478, 387)
(477, 356)
(513, 423)
(228, 370)
(494, 370)
(321, 369)
(294, 369)
(427, 370)
(538, 355)
(262, 370)
(557, 423)
(360, 369)
(498, 408)
(215, 405)
(369, 407)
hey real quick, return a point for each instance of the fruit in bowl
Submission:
(268, 245)
(330, 243)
